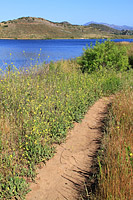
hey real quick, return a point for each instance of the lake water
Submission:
(25, 53)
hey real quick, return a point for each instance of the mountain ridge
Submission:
(117, 27)
(40, 28)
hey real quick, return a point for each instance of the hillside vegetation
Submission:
(39, 105)
(39, 28)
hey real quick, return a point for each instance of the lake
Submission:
(25, 53)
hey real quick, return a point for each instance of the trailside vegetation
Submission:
(116, 157)
(106, 55)
(37, 108)
(111, 177)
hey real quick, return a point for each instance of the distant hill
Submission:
(104, 28)
(39, 28)
(124, 27)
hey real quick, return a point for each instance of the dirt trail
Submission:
(61, 175)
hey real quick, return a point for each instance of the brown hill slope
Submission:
(39, 28)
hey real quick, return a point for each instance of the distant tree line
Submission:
(126, 32)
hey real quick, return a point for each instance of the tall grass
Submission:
(36, 110)
(116, 164)
(37, 107)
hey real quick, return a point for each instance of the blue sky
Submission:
(119, 12)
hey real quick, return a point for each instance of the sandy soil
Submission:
(64, 173)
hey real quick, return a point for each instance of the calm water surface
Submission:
(25, 53)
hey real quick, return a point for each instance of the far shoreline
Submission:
(109, 38)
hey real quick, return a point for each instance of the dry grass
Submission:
(128, 45)
(115, 182)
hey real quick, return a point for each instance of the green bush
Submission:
(105, 55)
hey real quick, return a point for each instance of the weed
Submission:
(37, 108)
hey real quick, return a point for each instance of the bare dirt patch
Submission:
(61, 177)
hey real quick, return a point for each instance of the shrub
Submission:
(105, 55)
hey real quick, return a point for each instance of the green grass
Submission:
(37, 108)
